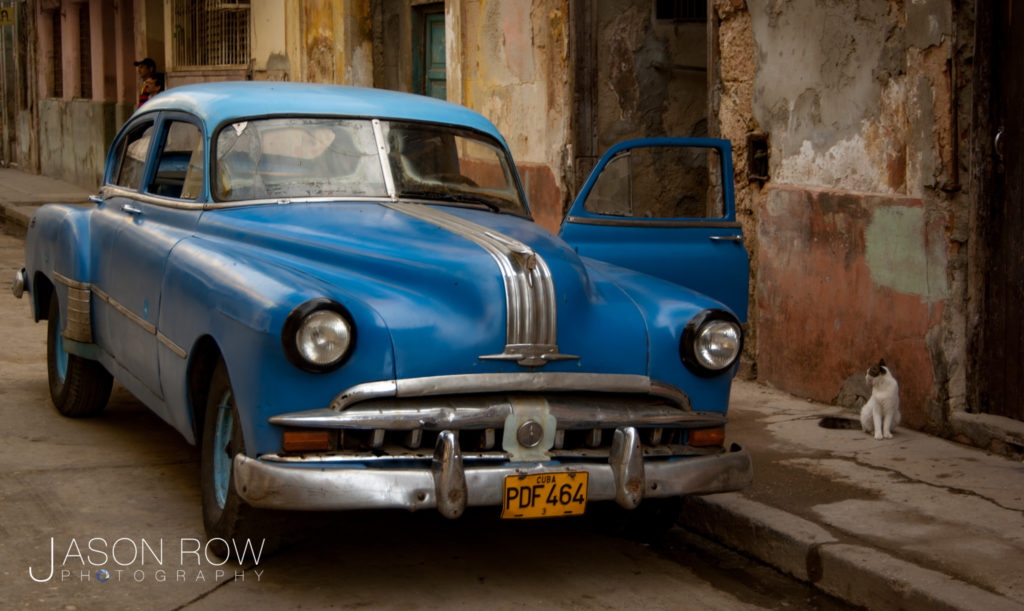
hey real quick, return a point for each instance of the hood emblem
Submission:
(531, 313)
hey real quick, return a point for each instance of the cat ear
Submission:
(881, 362)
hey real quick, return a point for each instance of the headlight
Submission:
(318, 335)
(711, 342)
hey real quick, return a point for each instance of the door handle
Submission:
(130, 209)
(726, 238)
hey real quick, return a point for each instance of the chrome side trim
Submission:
(530, 301)
(166, 202)
(147, 326)
(643, 222)
(78, 326)
(509, 382)
(170, 345)
(68, 282)
(332, 487)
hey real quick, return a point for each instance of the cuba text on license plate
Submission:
(544, 495)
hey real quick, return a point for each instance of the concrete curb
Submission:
(14, 220)
(857, 574)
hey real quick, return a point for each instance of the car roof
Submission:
(216, 103)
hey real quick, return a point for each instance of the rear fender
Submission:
(57, 246)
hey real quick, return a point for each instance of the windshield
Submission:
(297, 157)
(435, 162)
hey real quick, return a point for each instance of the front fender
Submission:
(240, 297)
(667, 308)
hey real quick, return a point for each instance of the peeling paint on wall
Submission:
(515, 75)
(898, 256)
(846, 279)
(857, 234)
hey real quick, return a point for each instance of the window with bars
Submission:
(84, 51)
(57, 55)
(681, 10)
(209, 33)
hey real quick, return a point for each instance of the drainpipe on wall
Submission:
(952, 184)
(5, 120)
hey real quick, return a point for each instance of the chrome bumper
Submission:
(450, 487)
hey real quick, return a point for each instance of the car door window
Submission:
(131, 156)
(660, 206)
(179, 169)
(660, 182)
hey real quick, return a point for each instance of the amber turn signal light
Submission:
(307, 441)
(707, 437)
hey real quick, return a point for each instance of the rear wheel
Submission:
(79, 387)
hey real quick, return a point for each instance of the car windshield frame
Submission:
(503, 192)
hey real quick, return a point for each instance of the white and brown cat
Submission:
(881, 412)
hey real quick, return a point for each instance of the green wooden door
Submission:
(429, 76)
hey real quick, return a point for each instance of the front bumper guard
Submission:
(449, 486)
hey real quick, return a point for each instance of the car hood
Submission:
(441, 291)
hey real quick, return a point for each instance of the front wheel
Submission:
(225, 515)
(79, 387)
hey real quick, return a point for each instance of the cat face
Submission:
(879, 369)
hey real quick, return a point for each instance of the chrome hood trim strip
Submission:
(531, 312)
(480, 383)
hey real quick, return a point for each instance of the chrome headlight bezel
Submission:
(696, 331)
(310, 312)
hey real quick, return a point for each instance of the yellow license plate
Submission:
(544, 495)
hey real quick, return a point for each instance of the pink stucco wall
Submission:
(846, 279)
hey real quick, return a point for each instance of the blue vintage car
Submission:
(339, 293)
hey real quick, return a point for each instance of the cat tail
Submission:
(839, 422)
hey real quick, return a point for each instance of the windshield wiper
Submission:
(448, 196)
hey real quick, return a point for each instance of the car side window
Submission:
(131, 157)
(179, 170)
(660, 182)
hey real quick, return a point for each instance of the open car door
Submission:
(665, 207)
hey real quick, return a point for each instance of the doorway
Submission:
(1001, 349)
(429, 76)
(637, 86)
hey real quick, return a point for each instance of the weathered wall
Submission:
(857, 234)
(651, 75)
(74, 136)
(733, 67)
(514, 70)
(272, 57)
(845, 279)
(337, 42)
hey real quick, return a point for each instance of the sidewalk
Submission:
(914, 522)
(21, 193)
